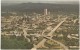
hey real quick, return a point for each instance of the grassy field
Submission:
(14, 43)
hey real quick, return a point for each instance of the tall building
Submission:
(45, 12)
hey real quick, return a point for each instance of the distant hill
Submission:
(38, 7)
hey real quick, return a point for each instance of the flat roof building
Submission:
(45, 12)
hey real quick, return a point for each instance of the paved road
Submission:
(41, 44)
(25, 33)
(48, 28)
(61, 44)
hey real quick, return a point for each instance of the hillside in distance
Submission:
(38, 7)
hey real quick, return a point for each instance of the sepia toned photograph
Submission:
(40, 24)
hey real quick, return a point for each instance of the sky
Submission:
(36, 1)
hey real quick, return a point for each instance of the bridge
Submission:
(41, 43)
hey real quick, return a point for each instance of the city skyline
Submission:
(40, 24)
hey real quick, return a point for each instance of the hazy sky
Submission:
(41, 1)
